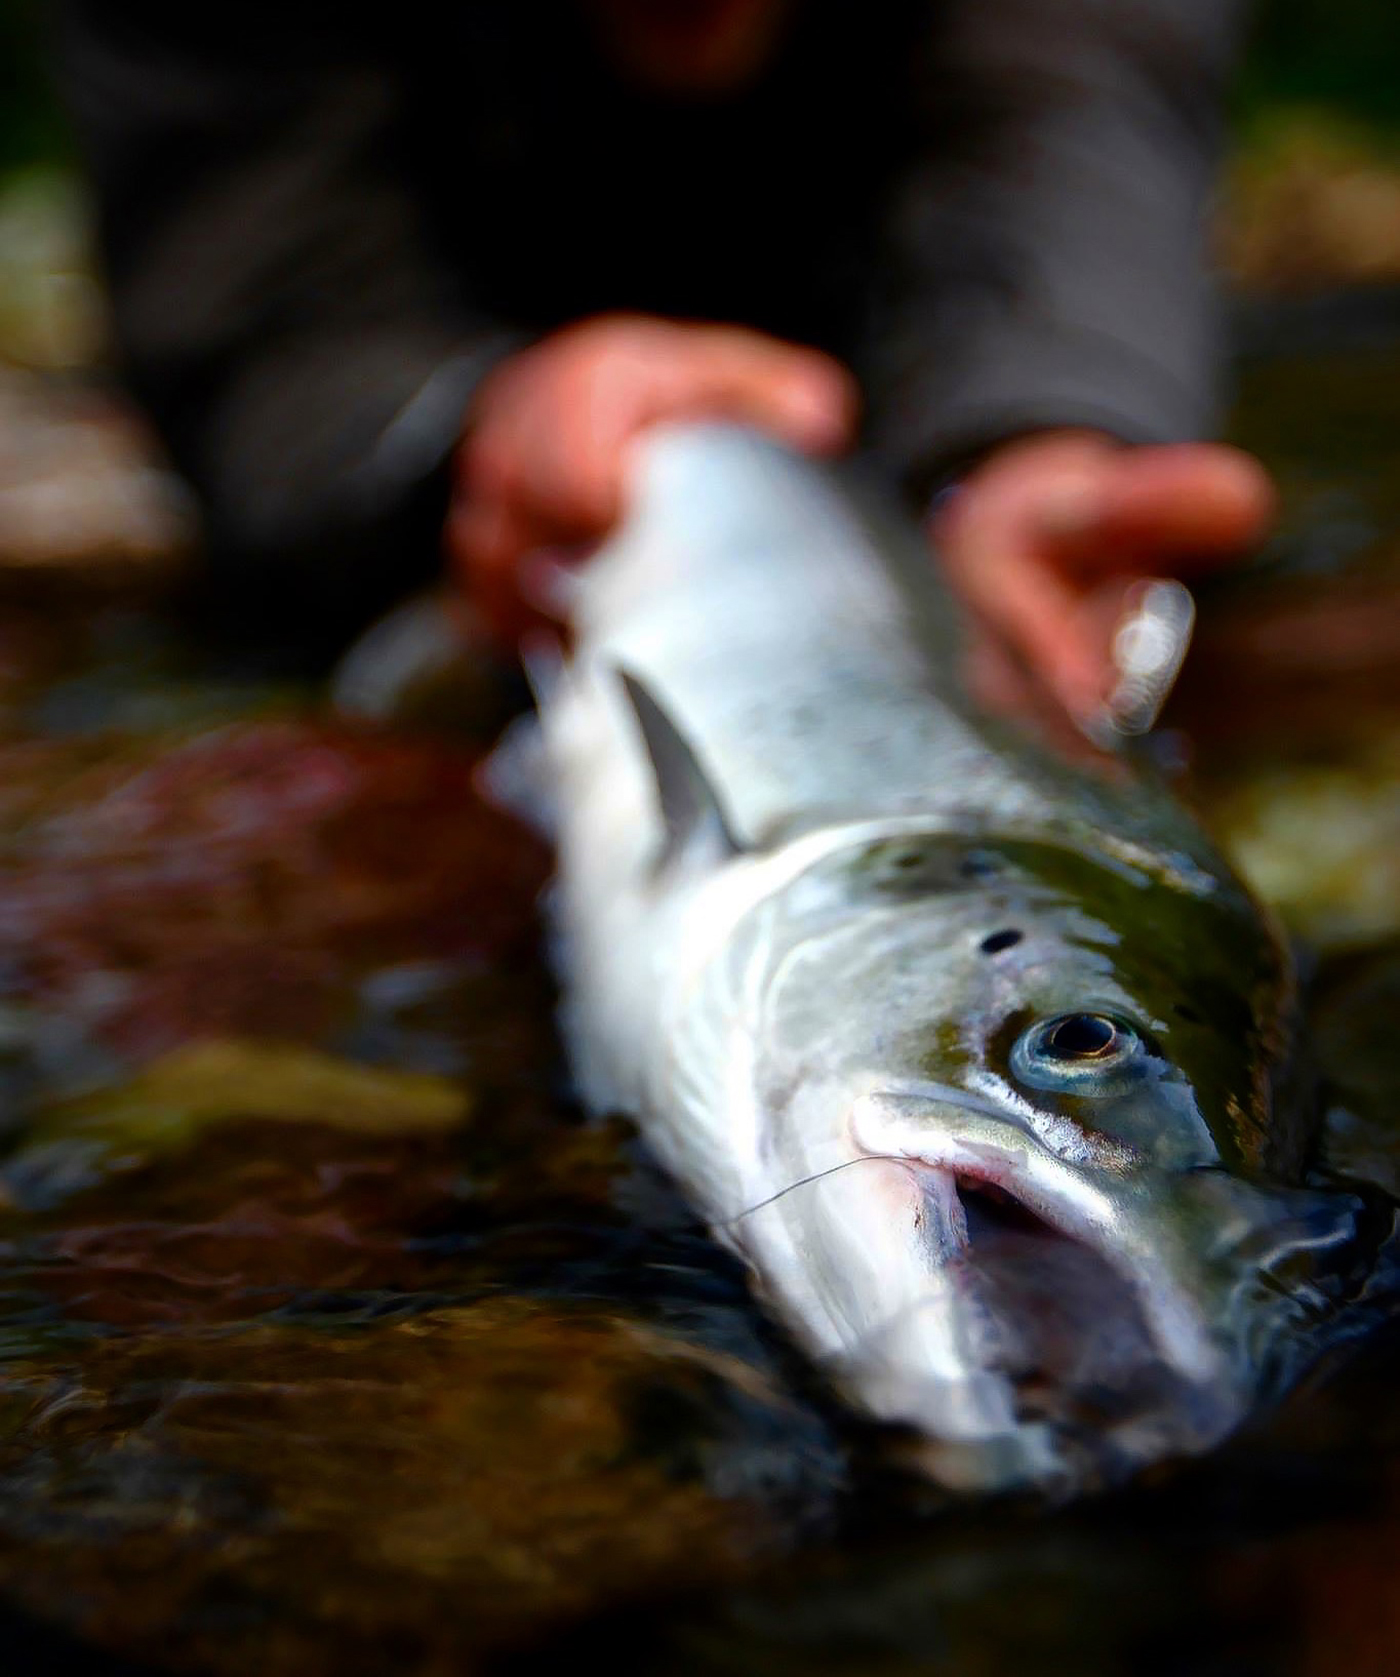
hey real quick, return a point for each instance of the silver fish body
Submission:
(978, 1057)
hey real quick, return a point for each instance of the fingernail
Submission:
(1149, 645)
(818, 412)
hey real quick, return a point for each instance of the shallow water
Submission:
(331, 1339)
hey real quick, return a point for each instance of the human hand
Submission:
(542, 463)
(1047, 537)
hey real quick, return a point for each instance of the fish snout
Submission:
(1294, 1270)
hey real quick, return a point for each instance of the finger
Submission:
(486, 539)
(806, 398)
(1183, 508)
(476, 541)
(1036, 608)
(580, 471)
(570, 473)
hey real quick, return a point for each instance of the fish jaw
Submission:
(1086, 1194)
(1035, 1327)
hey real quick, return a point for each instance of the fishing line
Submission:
(802, 1182)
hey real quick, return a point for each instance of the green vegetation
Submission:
(31, 128)
(1341, 56)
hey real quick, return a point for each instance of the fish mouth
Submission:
(1063, 1325)
(1046, 1342)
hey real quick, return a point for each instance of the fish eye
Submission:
(1077, 1052)
(1080, 1036)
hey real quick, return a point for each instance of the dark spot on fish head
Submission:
(918, 865)
(912, 865)
(996, 942)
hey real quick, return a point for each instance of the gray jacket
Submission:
(321, 225)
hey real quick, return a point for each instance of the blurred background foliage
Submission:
(1340, 57)
(31, 128)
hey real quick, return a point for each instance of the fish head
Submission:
(1033, 1153)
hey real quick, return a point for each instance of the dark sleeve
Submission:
(1045, 257)
(279, 306)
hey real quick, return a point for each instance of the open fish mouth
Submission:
(1047, 1310)
(1036, 1315)
(1040, 1344)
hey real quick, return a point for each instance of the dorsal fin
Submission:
(690, 808)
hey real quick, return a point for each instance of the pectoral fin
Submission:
(694, 819)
